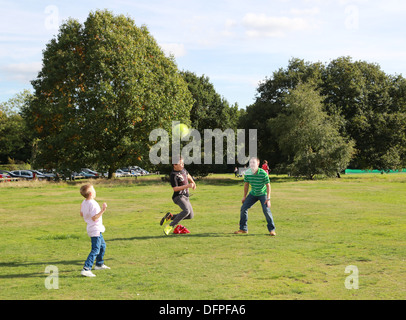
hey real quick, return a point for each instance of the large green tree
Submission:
(373, 106)
(104, 86)
(308, 136)
(209, 111)
(15, 138)
(270, 102)
(368, 105)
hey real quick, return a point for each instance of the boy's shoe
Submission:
(272, 233)
(168, 229)
(180, 229)
(167, 217)
(240, 232)
(87, 273)
(102, 267)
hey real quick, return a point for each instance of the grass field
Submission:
(322, 227)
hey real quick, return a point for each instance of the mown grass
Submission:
(322, 227)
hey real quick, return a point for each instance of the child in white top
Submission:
(92, 214)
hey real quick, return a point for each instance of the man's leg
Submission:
(248, 203)
(267, 213)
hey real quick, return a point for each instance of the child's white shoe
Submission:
(102, 267)
(87, 273)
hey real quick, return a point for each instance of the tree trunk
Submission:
(112, 173)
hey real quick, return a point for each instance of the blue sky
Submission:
(236, 43)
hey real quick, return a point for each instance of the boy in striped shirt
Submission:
(260, 190)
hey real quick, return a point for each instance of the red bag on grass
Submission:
(180, 229)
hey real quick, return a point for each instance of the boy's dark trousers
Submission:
(187, 210)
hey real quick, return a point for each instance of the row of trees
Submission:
(106, 84)
(15, 138)
(317, 118)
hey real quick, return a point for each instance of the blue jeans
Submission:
(248, 203)
(97, 252)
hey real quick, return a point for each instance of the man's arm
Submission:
(268, 194)
(246, 187)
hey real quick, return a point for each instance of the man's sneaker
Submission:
(168, 229)
(87, 273)
(102, 267)
(272, 233)
(240, 232)
(167, 217)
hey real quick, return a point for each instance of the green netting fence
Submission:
(358, 171)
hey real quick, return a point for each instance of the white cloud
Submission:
(261, 25)
(176, 49)
(21, 72)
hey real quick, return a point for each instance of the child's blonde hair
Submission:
(85, 190)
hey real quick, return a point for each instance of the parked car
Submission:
(88, 175)
(121, 173)
(5, 175)
(76, 175)
(126, 171)
(40, 175)
(49, 173)
(27, 174)
(94, 174)
(135, 170)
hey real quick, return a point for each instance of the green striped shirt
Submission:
(257, 181)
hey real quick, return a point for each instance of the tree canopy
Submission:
(104, 86)
(367, 106)
(308, 137)
(15, 138)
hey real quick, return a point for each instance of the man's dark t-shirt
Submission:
(178, 179)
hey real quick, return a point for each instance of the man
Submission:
(181, 181)
(260, 190)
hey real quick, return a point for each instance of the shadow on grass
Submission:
(35, 274)
(189, 235)
(24, 264)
